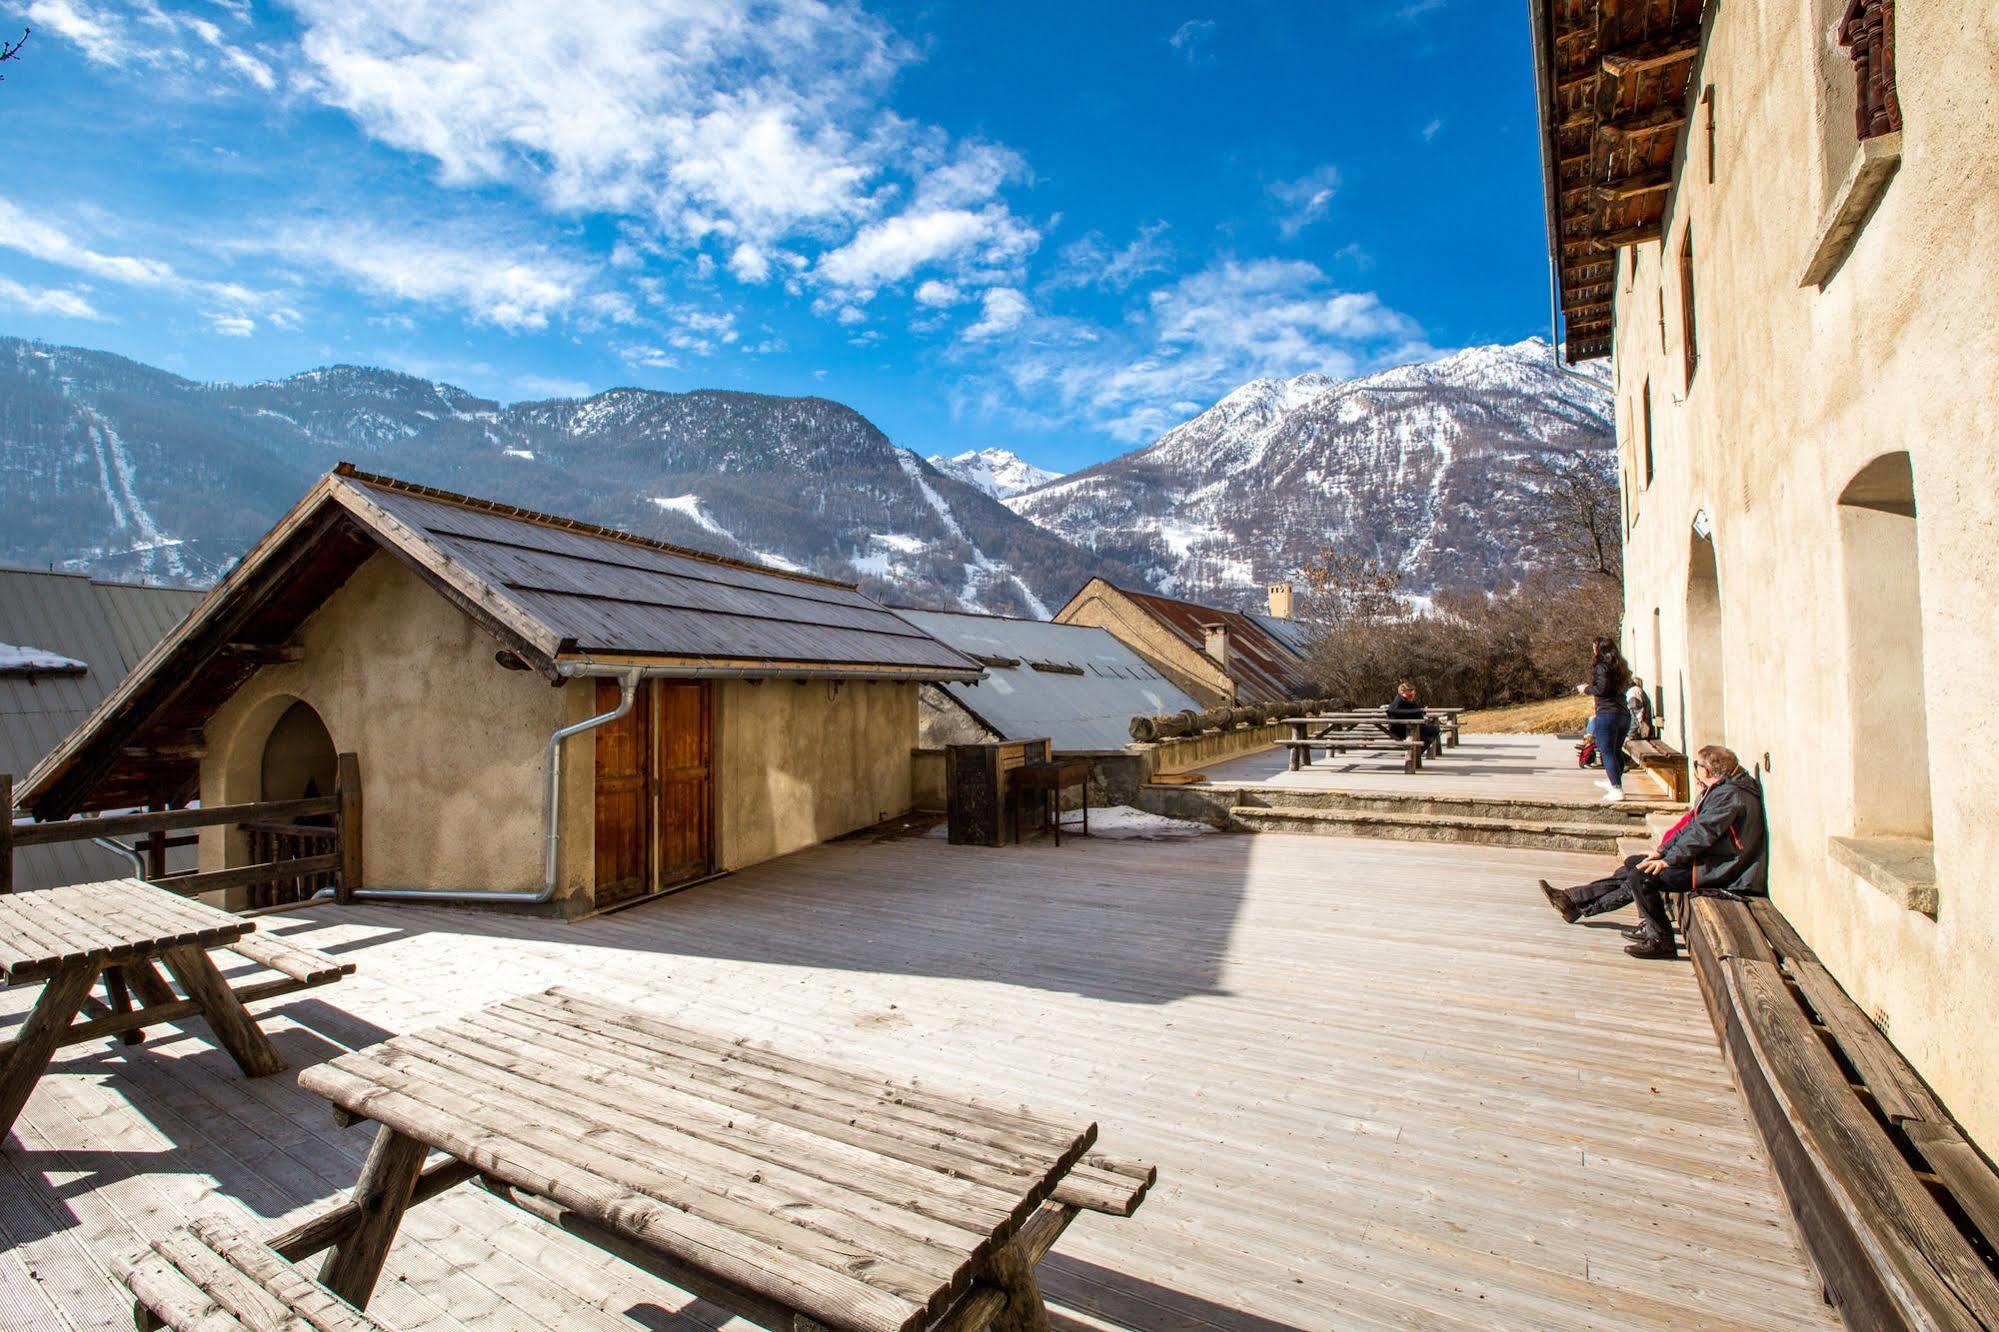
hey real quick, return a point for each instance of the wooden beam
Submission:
(1641, 57)
(1631, 125)
(162, 753)
(1634, 187)
(347, 790)
(265, 654)
(1638, 235)
(118, 825)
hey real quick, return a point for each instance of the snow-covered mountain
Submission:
(1001, 473)
(119, 468)
(1417, 466)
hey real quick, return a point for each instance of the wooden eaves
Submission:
(1613, 89)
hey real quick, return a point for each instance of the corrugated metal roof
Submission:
(613, 594)
(1090, 711)
(1294, 634)
(103, 625)
(1266, 668)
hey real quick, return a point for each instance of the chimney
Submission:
(1280, 601)
(1218, 643)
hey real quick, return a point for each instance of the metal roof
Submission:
(1265, 666)
(1079, 713)
(108, 627)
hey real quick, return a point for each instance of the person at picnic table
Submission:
(1639, 704)
(1717, 849)
(1609, 678)
(1406, 704)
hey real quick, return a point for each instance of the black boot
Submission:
(1635, 932)
(1560, 901)
(1651, 945)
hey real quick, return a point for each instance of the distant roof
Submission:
(1267, 663)
(556, 592)
(108, 627)
(1087, 705)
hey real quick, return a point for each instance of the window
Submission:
(1867, 32)
(1645, 435)
(1689, 343)
(1860, 124)
(1884, 622)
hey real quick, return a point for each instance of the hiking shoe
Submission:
(1559, 900)
(1652, 946)
(1613, 795)
(1633, 933)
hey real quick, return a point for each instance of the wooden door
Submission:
(683, 782)
(624, 833)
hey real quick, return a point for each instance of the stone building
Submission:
(542, 711)
(1217, 656)
(1781, 222)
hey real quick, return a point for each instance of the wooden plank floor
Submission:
(1497, 766)
(1384, 1085)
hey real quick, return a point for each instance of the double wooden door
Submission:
(655, 790)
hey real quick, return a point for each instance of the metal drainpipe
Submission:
(138, 861)
(628, 679)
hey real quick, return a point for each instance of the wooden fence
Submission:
(293, 853)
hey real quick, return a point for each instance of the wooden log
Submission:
(232, 1024)
(347, 819)
(38, 1038)
(1638, 58)
(1009, 1268)
(300, 1294)
(983, 1303)
(243, 1298)
(322, 1232)
(120, 825)
(388, 1181)
(265, 654)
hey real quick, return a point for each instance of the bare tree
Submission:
(1580, 518)
(12, 50)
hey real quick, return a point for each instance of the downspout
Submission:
(138, 861)
(628, 679)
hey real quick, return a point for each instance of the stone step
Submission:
(1533, 834)
(1660, 822)
(1628, 817)
(1636, 846)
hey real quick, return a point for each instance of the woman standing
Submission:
(1609, 678)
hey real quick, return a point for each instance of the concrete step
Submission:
(1661, 822)
(1533, 834)
(1628, 817)
(1636, 846)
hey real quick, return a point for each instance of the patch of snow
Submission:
(913, 469)
(908, 545)
(23, 660)
(689, 506)
(1001, 473)
(519, 453)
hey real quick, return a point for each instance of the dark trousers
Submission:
(1626, 885)
(1650, 894)
(1608, 729)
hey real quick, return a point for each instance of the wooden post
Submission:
(388, 1181)
(156, 851)
(7, 832)
(347, 788)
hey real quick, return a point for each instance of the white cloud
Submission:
(1200, 337)
(1190, 37)
(1432, 129)
(232, 325)
(654, 358)
(749, 263)
(550, 386)
(65, 301)
(1004, 310)
(1303, 201)
(939, 295)
(1089, 263)
(185, 53)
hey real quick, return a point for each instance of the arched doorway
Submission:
(1704, 706)
(1884, 651)
(299, 759)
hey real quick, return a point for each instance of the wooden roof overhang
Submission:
(142, 745)
(1613, 98)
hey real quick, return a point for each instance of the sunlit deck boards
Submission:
(1494, 766)
(1384, 1085)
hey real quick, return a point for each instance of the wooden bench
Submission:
(1334, 745)
(211, 1277)
(1866, 1153)
(1663, 761)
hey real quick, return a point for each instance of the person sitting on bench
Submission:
(1406, 704)
(1718, 848)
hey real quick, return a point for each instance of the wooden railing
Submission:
(293, 855)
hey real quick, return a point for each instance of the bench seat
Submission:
(307, 967)
(211, 1277)
(1414, 749)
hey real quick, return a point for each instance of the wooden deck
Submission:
(1384, 1085)
(1492, 766)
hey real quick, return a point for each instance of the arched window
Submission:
(298, 760)
(1884, 651)
(1702, 712)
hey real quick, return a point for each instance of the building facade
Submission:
(1784, 229)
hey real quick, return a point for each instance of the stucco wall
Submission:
(802, 762)
(450, 744)
(1103, 606)
(1796, 391)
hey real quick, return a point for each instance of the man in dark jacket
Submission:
(1720, 851)
(1406, 705)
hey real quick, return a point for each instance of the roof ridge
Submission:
(350, 472)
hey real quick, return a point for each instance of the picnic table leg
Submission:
(120, 1001)
(227, 1018)
(23, 1066)
(388, 1178)
(1009, 1269)
(148, 984)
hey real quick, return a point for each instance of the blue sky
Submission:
(1055, 227)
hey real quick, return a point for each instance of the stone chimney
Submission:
(1280, 601)
(1218, 643)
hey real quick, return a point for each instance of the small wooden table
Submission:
(66, 937)
(1050, 778)
(797, 1194)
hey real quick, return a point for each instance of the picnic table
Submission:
(66, 938)
(1367, 729)
(797, 1194)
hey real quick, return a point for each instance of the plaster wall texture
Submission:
(450, 744)
(1797, 389)
(798, 763)
(1105, 608)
